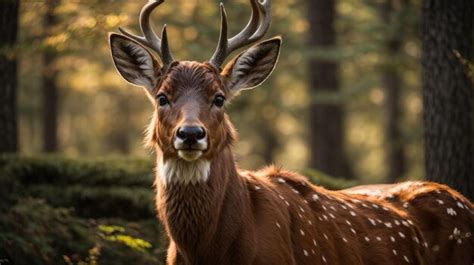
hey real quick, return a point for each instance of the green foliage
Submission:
(114, 233)
(58, 170)
(321, 179)
(60, 211)
(32, 232)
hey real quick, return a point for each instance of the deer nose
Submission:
(191, 134)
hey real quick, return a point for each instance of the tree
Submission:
(326, 119)
(392, 83)
(448, 93)
(50, 88)
(8, 76)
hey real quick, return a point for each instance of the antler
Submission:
(256, 28)
(150, 39)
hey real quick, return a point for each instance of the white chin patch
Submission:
(190, 155)
(182, 171)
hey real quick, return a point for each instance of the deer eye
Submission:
(218, 101)
(163, 100)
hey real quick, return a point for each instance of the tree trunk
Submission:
(392, 82)
(119, 137)
(270, 142)
(8, 76)
(448, 93)
(326, 119)
(50, 89)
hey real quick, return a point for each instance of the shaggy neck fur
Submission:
(191, 213)
(178, 171)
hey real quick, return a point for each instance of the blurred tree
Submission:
(392, 81)
(8, 75)
(448, 94)
(50, 87)
(326, 128)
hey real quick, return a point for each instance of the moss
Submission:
(321, 179)
(63, 171)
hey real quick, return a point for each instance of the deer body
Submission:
(277, 217)
(445, 217)
(214, 213)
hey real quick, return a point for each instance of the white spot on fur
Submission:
(406, 259)
(416, 240)
(451, 211)
(183, 172)
(372, 221)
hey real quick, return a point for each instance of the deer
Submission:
(215, 213)
(444, 216)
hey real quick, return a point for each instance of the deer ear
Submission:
(134, 63)
(253, 66)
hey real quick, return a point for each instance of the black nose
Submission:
(191, 134)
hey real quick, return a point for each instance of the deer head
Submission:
(189, 123)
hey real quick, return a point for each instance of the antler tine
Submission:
(150, 39)
(266, 9)
(239, 39)
(254, 31)
(222, 46)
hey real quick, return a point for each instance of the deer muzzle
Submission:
(190, 142)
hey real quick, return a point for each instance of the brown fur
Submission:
(270, 216)
(427, 204)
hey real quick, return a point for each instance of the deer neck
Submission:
(193, 209)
